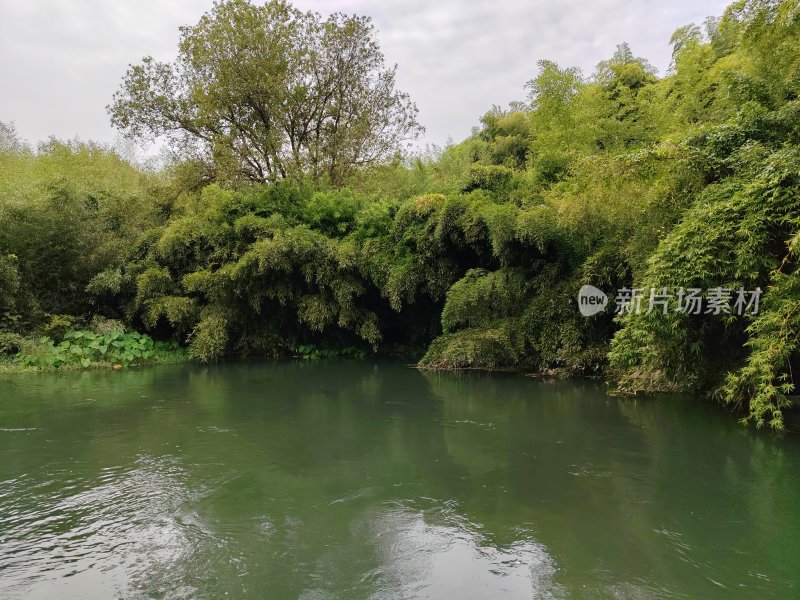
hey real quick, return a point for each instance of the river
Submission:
(360, 479)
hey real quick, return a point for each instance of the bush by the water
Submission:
(84, 349)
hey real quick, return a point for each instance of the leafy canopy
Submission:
(269, 92)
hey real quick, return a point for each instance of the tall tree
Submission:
(269, 92)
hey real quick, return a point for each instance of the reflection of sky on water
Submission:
(444, 557)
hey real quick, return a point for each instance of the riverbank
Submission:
(85, 349)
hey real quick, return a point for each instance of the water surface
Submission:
(371, 480)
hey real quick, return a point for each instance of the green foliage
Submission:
(764, 382)
(312, 352)
(68, 212)
(732, 237)
(266, 92)
(332, 213)
(473, 253)
(57, 326)
(481, 299)
(9, 279)
(10, 344)
(83, 349)
(507, 137)
(209, 338)
(11, 321)
(492, 178)
(486, 349)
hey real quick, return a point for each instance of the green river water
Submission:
(372, 480)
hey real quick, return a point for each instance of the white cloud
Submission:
(63, 60)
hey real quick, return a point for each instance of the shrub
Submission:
(488, 349)
(57, 326)
(492, 178)
(88, 349)
(11, 344)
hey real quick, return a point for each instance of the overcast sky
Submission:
(60, 60)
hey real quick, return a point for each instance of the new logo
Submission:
(591, 300)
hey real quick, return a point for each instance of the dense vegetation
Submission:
(470, 256)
